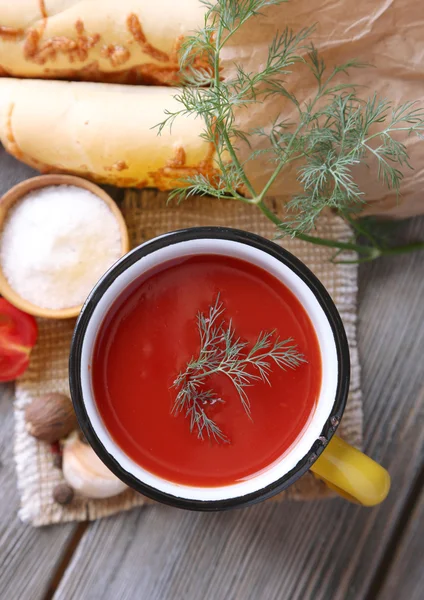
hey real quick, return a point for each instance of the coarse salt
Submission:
(56, 243)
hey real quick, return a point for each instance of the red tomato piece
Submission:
(18, 334)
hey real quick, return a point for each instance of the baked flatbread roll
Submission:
(120, 41)
(101, 131)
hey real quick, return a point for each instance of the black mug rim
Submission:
(320, 293)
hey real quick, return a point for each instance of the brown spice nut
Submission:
(63, 494)
(50, 417)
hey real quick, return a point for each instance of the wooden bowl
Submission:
(15, 194)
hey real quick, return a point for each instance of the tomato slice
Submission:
(18, 334)
(12, 365)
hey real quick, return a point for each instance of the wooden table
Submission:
(318, 550)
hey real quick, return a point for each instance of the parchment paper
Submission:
(388, 34)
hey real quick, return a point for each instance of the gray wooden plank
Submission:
(12, 171)
(406, 575)
(28, 556)
(320, 550)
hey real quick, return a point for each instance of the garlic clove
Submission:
(85, 472)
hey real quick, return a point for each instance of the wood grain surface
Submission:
(28, 556)
(306, 551)
(406, 575)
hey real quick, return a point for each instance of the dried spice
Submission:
(50, 418)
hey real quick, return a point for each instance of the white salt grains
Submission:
(56, 243)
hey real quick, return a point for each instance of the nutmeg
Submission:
(50, 417)
(63, 494)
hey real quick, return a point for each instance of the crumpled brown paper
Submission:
(388, 34)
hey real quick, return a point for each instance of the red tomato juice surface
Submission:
(151, 333)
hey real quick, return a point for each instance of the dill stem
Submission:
(388, 130)
(223, 131)
(403, 249)
(310, 238)
(259, 199)
(367, 252)
(238, 165)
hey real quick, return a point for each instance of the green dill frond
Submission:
(334, 130)
(222, 352)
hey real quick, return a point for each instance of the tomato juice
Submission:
(147, 339)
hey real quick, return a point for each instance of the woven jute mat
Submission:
(147, 215)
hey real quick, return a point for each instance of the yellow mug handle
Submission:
(352, 474)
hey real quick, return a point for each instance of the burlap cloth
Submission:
(147, 216)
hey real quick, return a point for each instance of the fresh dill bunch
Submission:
(222, 352)
(334, 131)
